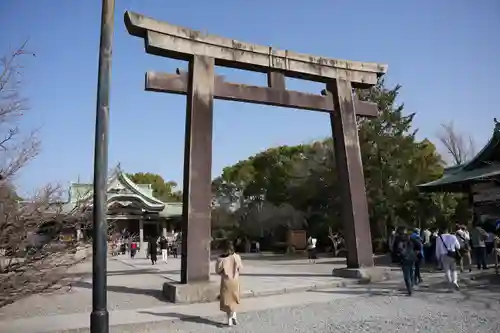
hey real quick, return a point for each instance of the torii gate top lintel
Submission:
(162, 38)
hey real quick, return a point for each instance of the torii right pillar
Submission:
(354, 211)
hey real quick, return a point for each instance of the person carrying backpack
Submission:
(406, 250)
(418, 243)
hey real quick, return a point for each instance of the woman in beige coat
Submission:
(228, 266)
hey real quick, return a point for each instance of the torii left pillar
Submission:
(196, 226)
(195, 282)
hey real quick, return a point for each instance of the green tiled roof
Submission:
(141, 192)
(172, 209)
(461, 177)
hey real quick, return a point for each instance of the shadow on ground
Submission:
(186, 318)
(290, 275)
(148, 271)
(156, 293)
(142, 271)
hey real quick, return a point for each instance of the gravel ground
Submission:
(360, 314)
(431, 309)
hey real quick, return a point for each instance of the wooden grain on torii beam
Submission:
(172, 41)
(178, 84)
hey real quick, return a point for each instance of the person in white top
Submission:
(447, 251)
(311, 249)
(428, 255)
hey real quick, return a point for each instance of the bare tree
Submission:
(338, 243)
(15, 152)
(33, 255)
(459, 147)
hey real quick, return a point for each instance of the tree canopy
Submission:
(162, 190)
(304, 179)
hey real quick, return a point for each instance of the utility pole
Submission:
(99, 318)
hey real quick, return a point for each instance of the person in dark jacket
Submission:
(153, 251)
(406, 251)
(418, 243)
(432, 250)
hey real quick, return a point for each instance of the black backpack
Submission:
(407, 251)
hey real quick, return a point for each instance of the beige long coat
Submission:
(229, 270)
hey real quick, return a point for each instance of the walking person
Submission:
(129, 245)
(390, 244)
(177, 247)
(163, 248)
(311, 249)
(447, 251)
(152, 250)
(405, 251)
(133, 249)
(419, 248)
(478, 236)
(228, 266)
(434, 238)
(465, 248)
(427, 252)
(177, 244)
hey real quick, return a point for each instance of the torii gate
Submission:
(201, 86)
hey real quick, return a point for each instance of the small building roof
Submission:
(117, 181)
(484, 166)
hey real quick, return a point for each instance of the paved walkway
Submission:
(136, 284)
(261, 275)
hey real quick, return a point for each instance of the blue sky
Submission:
(444, 53)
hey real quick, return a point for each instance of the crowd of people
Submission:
(165, 245)
(447, 251)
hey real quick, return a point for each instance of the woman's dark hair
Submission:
(443, 230)
(228, 247)
(401, 230)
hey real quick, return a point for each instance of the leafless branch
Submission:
(34, 254)
(15, 152)
(459, 147)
